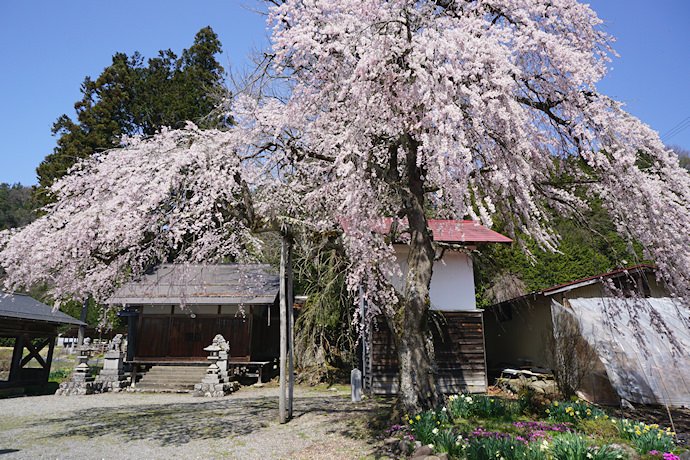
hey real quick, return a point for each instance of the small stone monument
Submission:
(112, 375)
(356, 385)
(215, 383)
(81, 382)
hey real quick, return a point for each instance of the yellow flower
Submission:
(417, 417)
(555, 403)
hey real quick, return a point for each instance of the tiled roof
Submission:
(21, 306)
(201, 284)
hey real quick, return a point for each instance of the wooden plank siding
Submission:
(460, 356)
(181, 337)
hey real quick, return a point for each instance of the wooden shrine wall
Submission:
(460, 356)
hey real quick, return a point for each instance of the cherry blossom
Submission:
(477, 108)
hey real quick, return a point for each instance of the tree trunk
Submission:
(418, 382)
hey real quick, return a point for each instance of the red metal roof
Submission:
(451, 231)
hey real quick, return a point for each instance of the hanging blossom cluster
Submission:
(174, 197)
(496, 98)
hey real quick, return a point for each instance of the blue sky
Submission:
(49, 47)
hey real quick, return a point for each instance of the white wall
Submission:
(452, 282)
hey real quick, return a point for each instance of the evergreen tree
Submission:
(130, 98)
(15, 206)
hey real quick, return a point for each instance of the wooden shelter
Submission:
(457, 325)
(33, 326)
(174, 311)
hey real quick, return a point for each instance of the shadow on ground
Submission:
(180, 423)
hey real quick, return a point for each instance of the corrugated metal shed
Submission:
(21, 306)
(201, 284)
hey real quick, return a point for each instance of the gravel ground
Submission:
(326, 425)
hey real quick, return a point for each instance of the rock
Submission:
(626, 404)
(390, 441)
(685, 455)
(538, 386)
(404, 446)
(443, 456)
(422, 452)
(631, 453)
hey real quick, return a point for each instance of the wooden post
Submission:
(49, 360)
(16, 366)
(291, 331)
(82, 328)
(283, 331)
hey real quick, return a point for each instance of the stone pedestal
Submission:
(112, 376)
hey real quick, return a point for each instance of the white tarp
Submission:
(644, 344)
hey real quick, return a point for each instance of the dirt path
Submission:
(326, 425)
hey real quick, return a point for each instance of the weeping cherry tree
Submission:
(386, 109)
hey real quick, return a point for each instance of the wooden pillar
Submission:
(49, 360)
(49, 357)
(283, 330)
(16, 366)
(82, 329)
(131, 334)
(291, 331)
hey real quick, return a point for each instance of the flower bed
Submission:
(488, 427)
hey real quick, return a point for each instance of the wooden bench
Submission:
(248, 368)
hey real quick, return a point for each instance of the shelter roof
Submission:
(452, 231)
(579, 283)
(595, 279)
(201, 284)
(22, 306)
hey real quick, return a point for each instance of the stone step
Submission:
(171, 381)
(171, 378)
(159, 372)
(164, 388)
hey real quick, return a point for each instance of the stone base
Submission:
(89, 386)
(79, 388)
(113, 385)
(110, 376)
(217, 390)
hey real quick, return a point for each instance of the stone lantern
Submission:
(215, 383)
(81, 371)
(213, 369)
